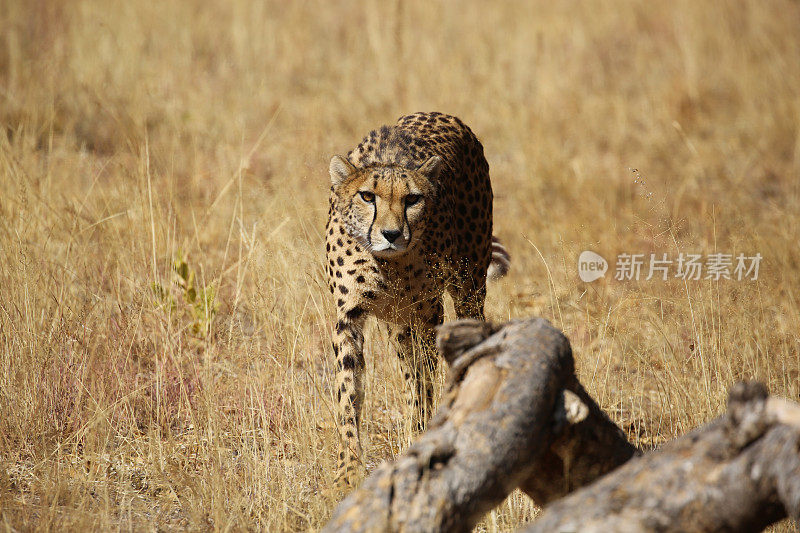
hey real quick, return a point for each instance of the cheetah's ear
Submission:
(431, 167)
(340, 169)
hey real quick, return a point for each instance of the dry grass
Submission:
(136, 133)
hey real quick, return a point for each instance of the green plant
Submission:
(197, 302)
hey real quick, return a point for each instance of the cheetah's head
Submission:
(384, 207)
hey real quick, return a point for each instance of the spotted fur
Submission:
(410, 218)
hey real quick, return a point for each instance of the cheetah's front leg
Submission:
(416, 348)
(469, 293)
(348, 344)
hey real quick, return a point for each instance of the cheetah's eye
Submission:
(412, 199)
(367, 196)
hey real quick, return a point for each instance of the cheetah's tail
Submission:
(501, 261)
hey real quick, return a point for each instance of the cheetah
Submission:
(410, 218)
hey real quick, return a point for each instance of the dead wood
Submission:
(740, 472)
(513, 415)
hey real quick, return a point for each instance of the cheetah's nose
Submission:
(391, 235)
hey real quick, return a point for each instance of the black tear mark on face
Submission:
(374, 216)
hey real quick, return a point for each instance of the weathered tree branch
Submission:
(513, 415)
(740, 472)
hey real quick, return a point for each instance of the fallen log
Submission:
(513, 415)
(740, 472)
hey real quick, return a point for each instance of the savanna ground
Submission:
(140, 136)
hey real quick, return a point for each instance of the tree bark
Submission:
(513, 415)
(740, 472)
